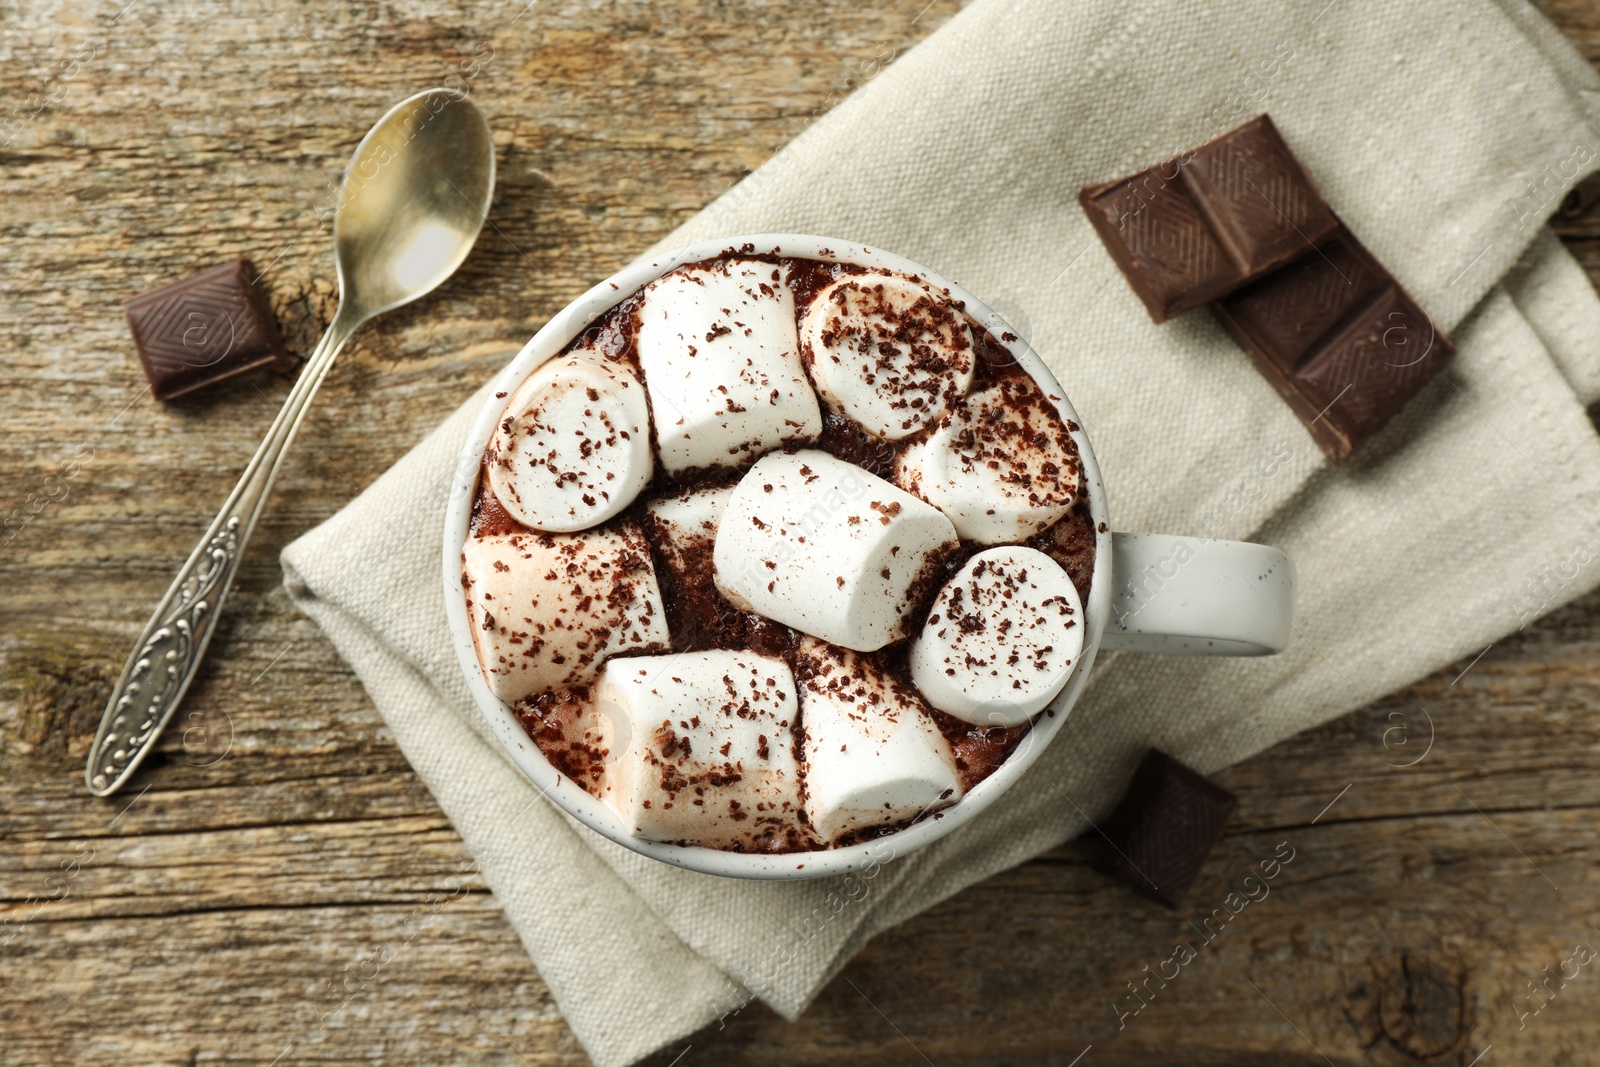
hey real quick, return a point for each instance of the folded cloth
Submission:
(1472, 514)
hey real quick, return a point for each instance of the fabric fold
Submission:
(1553, 293)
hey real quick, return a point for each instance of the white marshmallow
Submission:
(1002, 466)
(547, 609)
(887, 351)
(821, 545)
(686, 521)
(874, 756)
(1001, 639)
(710, 752)
(573, 447)
(574, 735)
(721, 361)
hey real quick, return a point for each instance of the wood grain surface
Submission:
(277, 887)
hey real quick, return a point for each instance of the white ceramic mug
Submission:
(1149, 592)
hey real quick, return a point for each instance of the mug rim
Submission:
(577, 802)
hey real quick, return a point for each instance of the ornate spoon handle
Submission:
(169, 649)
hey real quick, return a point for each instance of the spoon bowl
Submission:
(412, 201)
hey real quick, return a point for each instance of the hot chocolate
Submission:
(816, 589)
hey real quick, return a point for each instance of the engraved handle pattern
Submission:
(173, 643)
(165, 660)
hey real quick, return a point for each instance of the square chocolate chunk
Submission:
(1160, 835)
(1339, 339)
(1157, 236)
(205, 328)
(1198, 226)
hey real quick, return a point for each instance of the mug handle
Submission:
(1190, 596)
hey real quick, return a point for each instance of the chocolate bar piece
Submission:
(205, 328)
(1340, 340)
(1160, 835)
(1199, 226)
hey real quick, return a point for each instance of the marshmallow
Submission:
(683, 530)
(685, 523)
(574, 735)
(573, 447)
(1002, 467)
(721, 361)
(821, 545)
(547, 609)
(709, 756)
(1001, 639)
(874, 756)
(887, 351)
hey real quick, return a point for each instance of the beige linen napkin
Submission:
(1471, 515)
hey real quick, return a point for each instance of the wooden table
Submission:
(258, 869)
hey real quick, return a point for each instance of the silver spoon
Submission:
(413, 199)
